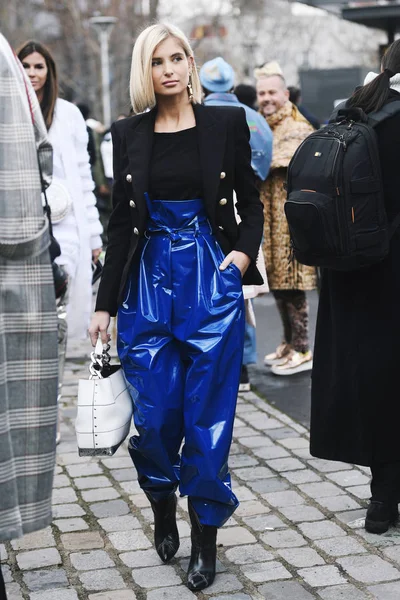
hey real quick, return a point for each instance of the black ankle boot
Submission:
(3, 595)
(380, 515)
(166, 536)
(201, 572)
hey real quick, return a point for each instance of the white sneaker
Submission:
(279, 356)
(296, 362)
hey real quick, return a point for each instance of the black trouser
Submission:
(385, 482)
(2, 587)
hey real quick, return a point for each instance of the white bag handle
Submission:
(100, 358)
(99, 347)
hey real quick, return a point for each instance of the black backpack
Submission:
(335, 205)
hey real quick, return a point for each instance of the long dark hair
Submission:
(50, 91)
(374, 95)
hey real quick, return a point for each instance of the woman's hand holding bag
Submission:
(99, 325)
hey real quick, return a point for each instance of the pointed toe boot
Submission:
(201, 571)
(166, 536)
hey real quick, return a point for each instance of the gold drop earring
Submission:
(190, 88)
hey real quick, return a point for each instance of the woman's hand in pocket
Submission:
(99, 326)
(240, 259)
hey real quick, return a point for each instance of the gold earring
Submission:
(190, 88)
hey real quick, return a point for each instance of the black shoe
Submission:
(201, 571)
(166, 536)
(244, 385)
(380, 515)
(3, 595)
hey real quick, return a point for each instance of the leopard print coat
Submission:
(289, 128)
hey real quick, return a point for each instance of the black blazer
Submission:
(223, 138)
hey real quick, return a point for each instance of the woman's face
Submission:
(36, 69)
(170, 68)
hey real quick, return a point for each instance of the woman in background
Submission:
(355, 409)
(78, 233)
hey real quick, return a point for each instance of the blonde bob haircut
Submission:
(141, 81)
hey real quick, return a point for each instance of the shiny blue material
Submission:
(180, 342)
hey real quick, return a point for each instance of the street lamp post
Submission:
(250, 46)
(103, 27)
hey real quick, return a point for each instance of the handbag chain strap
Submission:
(99, 362)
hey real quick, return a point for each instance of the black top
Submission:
(175, 172)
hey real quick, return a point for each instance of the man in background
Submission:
(217, 79)
(246, 94)
(288, 279)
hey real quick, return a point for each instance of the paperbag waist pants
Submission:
(180, 342)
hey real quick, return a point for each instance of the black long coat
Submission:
(225, 156)
(355, 414)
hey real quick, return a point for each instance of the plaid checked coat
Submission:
(28, 326)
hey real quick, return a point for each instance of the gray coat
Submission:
(28, 326)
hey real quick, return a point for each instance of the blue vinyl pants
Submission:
(180, 342)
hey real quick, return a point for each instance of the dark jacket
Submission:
(225, 155)
(355, 412)
(309, 116)
(91, 146)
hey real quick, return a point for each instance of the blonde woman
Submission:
(173, 274)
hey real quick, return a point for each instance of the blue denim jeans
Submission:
(250, 345)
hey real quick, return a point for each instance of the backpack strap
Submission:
(387, 111)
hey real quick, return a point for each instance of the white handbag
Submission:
(104, 407)
(59, 200)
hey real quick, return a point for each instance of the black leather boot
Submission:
(3, 595)
(166, 536)
(201, 571)
(380, 515)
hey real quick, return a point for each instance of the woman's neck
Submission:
(174, 114)
(39, 95)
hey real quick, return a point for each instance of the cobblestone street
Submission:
(297, 535)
